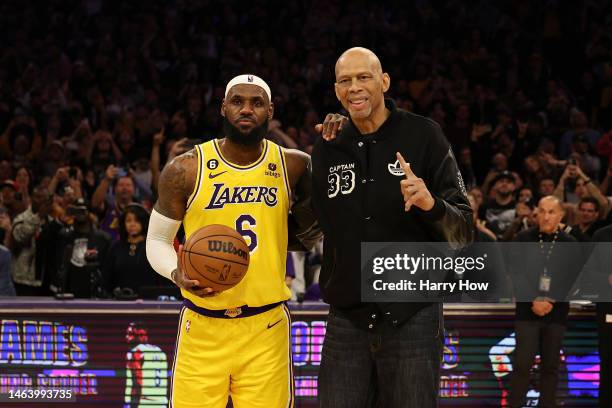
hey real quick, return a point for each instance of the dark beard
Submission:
(254, 137)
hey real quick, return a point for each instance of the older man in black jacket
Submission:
(383, 354)
(549, 271)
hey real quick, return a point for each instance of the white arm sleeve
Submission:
(160, 237)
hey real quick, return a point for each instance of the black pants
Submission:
(531, 337)
(390, 367)
(605, 354)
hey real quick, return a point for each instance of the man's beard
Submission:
(251, 138)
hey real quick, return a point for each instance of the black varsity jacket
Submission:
(357, 198)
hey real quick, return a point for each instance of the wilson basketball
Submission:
(217, 256)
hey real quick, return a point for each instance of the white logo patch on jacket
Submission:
(396, 169)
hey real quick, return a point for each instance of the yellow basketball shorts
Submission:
(247, 358)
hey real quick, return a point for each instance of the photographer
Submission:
(110, 207)
(67, 177)
(82, 247)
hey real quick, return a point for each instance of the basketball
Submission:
(217, 256)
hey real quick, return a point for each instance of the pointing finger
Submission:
(405, 166)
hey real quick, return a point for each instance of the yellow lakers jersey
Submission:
(254, 200)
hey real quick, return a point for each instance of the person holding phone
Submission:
(120, 184)
(583, 187)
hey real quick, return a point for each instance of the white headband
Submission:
(249, 80)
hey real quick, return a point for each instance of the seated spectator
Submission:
(126, 265)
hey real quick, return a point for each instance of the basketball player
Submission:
(146, 380)
(237, 341)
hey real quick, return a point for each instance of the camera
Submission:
(73, 211)
(78, 209)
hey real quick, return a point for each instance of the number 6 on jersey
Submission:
(247, 232)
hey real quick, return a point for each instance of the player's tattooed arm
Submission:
(176, 183)
(304, 228)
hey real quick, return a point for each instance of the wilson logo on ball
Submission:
(226, 247)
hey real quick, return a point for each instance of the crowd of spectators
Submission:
(95, 96)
